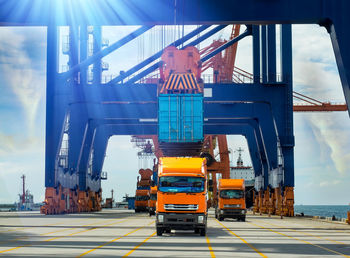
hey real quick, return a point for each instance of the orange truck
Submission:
(141, 200)
(152, 200)
(182, 195)
(231, 199)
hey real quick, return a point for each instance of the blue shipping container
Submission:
(131, 203)
(180, 118)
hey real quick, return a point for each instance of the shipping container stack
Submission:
(180, 103)
(142, 188)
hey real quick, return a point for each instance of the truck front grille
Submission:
(232, 206)
(181, 207)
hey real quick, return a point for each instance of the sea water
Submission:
(339, 211)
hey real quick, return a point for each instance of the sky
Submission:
(322, 151)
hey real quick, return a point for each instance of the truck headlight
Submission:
(221, 211)
(243, 211)
(160, 218)
(200, 219)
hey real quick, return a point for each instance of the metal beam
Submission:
(54, 114)
(139, 12)
(99, 55)
(193, 43)
(154, 57)
(247, 32)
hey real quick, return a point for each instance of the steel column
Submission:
(85, 155)
(263, 44)
(97, 45)
(54, 114)
(339, 32)
(271, 53)
(256, 53)
(286, 122)
(100, 148)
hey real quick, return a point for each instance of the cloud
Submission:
(316, 75)
(333, 132)
(329, 183)
(7, 143)
(12, 144)
(22, 66)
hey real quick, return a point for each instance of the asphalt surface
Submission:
(122, 233)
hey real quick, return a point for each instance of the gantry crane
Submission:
(225, 71)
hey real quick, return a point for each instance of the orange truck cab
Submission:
(141, 200)
(182, 195)
(152, 200)
(231, 199)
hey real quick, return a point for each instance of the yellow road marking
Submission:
(144, 241)
(113, 240)
(72, 234)
(66, 229)
(47, 225)
(336, 229)
(210, 248)
(304, 233)
(23, 228)
(304, 241)
(52, 232)
(242, 239)
(79, 232)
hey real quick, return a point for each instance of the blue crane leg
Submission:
(256, 53)
(263, 52)
(100, 148)
(77, 129)
(83, 42)
(286, 122)
(97, 44)
(248, 131)
(271, 53)
(85, 155)
(339, 32)
(55, 109)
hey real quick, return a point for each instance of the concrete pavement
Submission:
(122, 233)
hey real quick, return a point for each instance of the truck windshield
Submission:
(153, 197)
(141, 197)
(181, 184)
(231, 194)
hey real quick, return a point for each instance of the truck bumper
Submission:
(184, 221)
(141, 208)
(231, 213)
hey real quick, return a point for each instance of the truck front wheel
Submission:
(159, 231)
(203, 231)
(221, 218)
